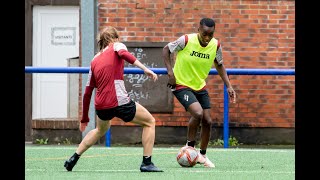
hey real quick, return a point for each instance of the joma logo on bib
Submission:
(200, 55)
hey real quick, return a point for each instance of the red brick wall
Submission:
(253, 34)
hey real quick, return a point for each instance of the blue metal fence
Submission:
(30, 69)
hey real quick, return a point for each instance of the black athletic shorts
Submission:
(125, 112)
(187, 96)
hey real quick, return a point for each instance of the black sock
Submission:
(146, 160)
(75, 155)
(191, 143)
(203, 152)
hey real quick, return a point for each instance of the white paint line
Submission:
(166, 149)
(173, 170)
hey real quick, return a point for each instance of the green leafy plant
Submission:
(67, 141)
(219, 142)
(233, 141)
(42, 141)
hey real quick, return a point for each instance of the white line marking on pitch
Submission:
(168, 149)
(188, 171)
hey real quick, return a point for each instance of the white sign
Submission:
(63, 35)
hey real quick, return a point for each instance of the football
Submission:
(187, 156)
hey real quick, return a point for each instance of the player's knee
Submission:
(150, 122)
(101, 131)
(197, 115)
(207, 122)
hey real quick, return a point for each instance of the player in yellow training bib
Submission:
(196, 54)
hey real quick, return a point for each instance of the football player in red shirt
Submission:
(112, 100)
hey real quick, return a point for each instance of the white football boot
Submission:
(203, 159)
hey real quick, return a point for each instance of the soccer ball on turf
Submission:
(187, 156)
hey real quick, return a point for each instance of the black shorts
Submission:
(125, 112)
(187, 96)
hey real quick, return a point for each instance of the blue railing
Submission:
(30, 69)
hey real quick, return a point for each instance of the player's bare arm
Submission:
(166, 56)
(223, 74)
(147, 71)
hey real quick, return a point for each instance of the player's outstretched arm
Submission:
(127, 56)
(146, 70)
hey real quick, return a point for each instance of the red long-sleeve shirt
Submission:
(106, 75)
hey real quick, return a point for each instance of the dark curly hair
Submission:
(208, 22)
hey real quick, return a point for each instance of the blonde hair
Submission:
(106, 36)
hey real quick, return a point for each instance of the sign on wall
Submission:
(63, 35)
